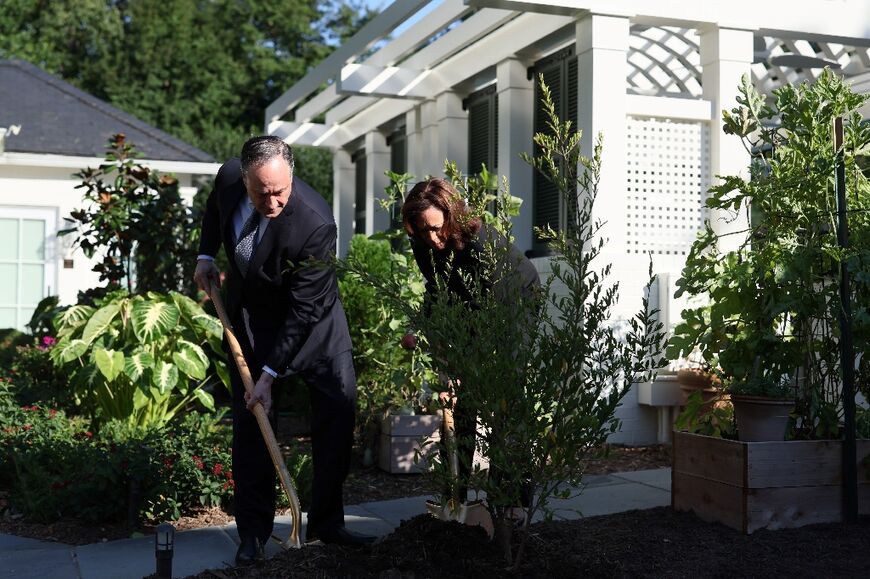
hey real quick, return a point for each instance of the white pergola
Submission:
(653, 76)
(681, 59)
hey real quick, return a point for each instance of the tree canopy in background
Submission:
(201, 70)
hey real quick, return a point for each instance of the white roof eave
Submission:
(12, 159)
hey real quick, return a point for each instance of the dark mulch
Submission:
(651, 543)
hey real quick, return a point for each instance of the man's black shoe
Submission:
(250, 551)
(343, 536)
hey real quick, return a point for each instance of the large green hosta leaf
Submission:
(100, 322)
(223, 373)
(210, 325)
(190, 359)
(85, 381)
(67, 350)
(153, 319)
(165, 376)
(72, 319)
(110, 363)
(205, 398)
(194, 317)
(136, 365)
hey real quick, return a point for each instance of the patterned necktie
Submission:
(247, 241)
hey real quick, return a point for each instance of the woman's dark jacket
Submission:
(459, 270)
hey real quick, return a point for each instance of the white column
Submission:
(414, 143)
(452, 132)
(602, 47)
(377, 161)
(430, 164)
(726, 55)
(343, 189)
(515, 131)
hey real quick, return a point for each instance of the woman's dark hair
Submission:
(459, 226)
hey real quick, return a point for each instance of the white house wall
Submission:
(53, 190)
(35, 181)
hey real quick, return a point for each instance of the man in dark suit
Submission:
(288, 319)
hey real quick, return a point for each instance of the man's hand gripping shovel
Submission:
(263, 420)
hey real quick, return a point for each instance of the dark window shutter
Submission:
(360, 193)
(478, 136)
(398, 143)
(571, 91)
(571, 95)
(482, 107)
(398, 152)
(494, 159)
(560, 74)
(546, 195)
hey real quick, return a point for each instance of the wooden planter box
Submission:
(400, 439)
(763, 485)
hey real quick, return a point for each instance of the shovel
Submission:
(472, 513)
(263, 421)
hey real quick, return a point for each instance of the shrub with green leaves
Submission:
(769, 322)
(389, 378)
(545, 382)
(56, 467)
(34, 376)
(141, 358)
(136, 222)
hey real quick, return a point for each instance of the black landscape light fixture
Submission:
(164, 545)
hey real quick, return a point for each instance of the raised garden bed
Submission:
(763, 485)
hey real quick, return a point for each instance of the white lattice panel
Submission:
(667, 174)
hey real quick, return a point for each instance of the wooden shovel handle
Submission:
(449, 429)
(262, 420)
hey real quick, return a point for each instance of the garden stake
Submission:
(847, 350)
(263, 421)
(472, 513)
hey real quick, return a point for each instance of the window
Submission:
(359, 204)
(560, 75)
(482, 107)
(26, 262)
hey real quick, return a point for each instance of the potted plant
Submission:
(761, 408)
(699, 379)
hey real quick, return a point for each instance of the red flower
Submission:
(28, 426)
(167, 462)
(89, 434)
(52, 413)
(217, 468)
(48, 341)
(198, 462)
(230, 484)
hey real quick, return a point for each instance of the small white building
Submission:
(50, 130)
(651, 75)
